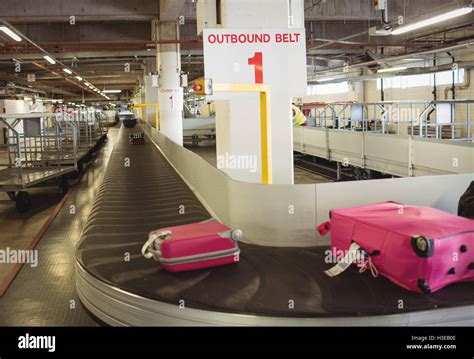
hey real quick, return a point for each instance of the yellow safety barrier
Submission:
(141, 106)
(207, 87)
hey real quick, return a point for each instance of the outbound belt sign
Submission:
(276, 57)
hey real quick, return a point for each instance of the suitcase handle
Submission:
(324, 228)
(148, 249)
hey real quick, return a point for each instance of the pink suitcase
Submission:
(419, 248)
(193, 246)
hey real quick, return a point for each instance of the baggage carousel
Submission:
(270, 286)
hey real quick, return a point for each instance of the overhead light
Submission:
(49, 59)
(412, 59)
(392, 69)
(67, 71)
(112, 91)
(79, 78)
(432, 21)
(10, 33)
(326, 79)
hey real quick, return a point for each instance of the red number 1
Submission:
(257, 61)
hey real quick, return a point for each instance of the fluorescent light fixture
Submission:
(413, 59)
(79, 78)
(326, 79)
(112, 91)
(10, 33)
(432, 21)
(67, 71)
(392, 69)
(49, 59)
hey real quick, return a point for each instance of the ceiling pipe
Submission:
(102, 45)
(331, 42)
(413, 71)
(464, 86)
(23, 88)
(398, 58)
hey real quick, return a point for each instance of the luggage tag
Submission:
(151, 248)
(345, 262)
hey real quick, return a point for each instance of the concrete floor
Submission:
(301, 176)
(46, 295)
(18, 229)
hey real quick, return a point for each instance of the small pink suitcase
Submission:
(419, 248)
(193, 246)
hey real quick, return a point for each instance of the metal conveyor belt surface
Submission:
(270, 286)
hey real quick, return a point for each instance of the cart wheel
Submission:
(63, 187)
(23, 201)
(11, 195)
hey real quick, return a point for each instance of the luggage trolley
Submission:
(41, 151)
(91, 133)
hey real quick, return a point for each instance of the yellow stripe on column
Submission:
(157, 117)
(265, 135)
(265, 121)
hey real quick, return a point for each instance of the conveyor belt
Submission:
(268, 286)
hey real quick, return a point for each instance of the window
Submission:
(446, 77)
(340, 87)
(424, 80)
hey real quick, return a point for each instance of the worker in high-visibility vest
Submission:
(299, 119)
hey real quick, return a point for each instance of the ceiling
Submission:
(108, 34)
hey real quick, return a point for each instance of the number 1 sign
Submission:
(229, 56)
(274, 57)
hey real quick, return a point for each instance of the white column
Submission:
(151, 93)
(170, 93)
(238, 131)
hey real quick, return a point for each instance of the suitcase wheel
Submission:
(237, 235)
(422, 246)
(423, 285)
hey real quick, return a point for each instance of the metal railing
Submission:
(37, 140)
(447, 119)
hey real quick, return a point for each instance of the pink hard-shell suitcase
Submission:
(419, 248)
(193, 246)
